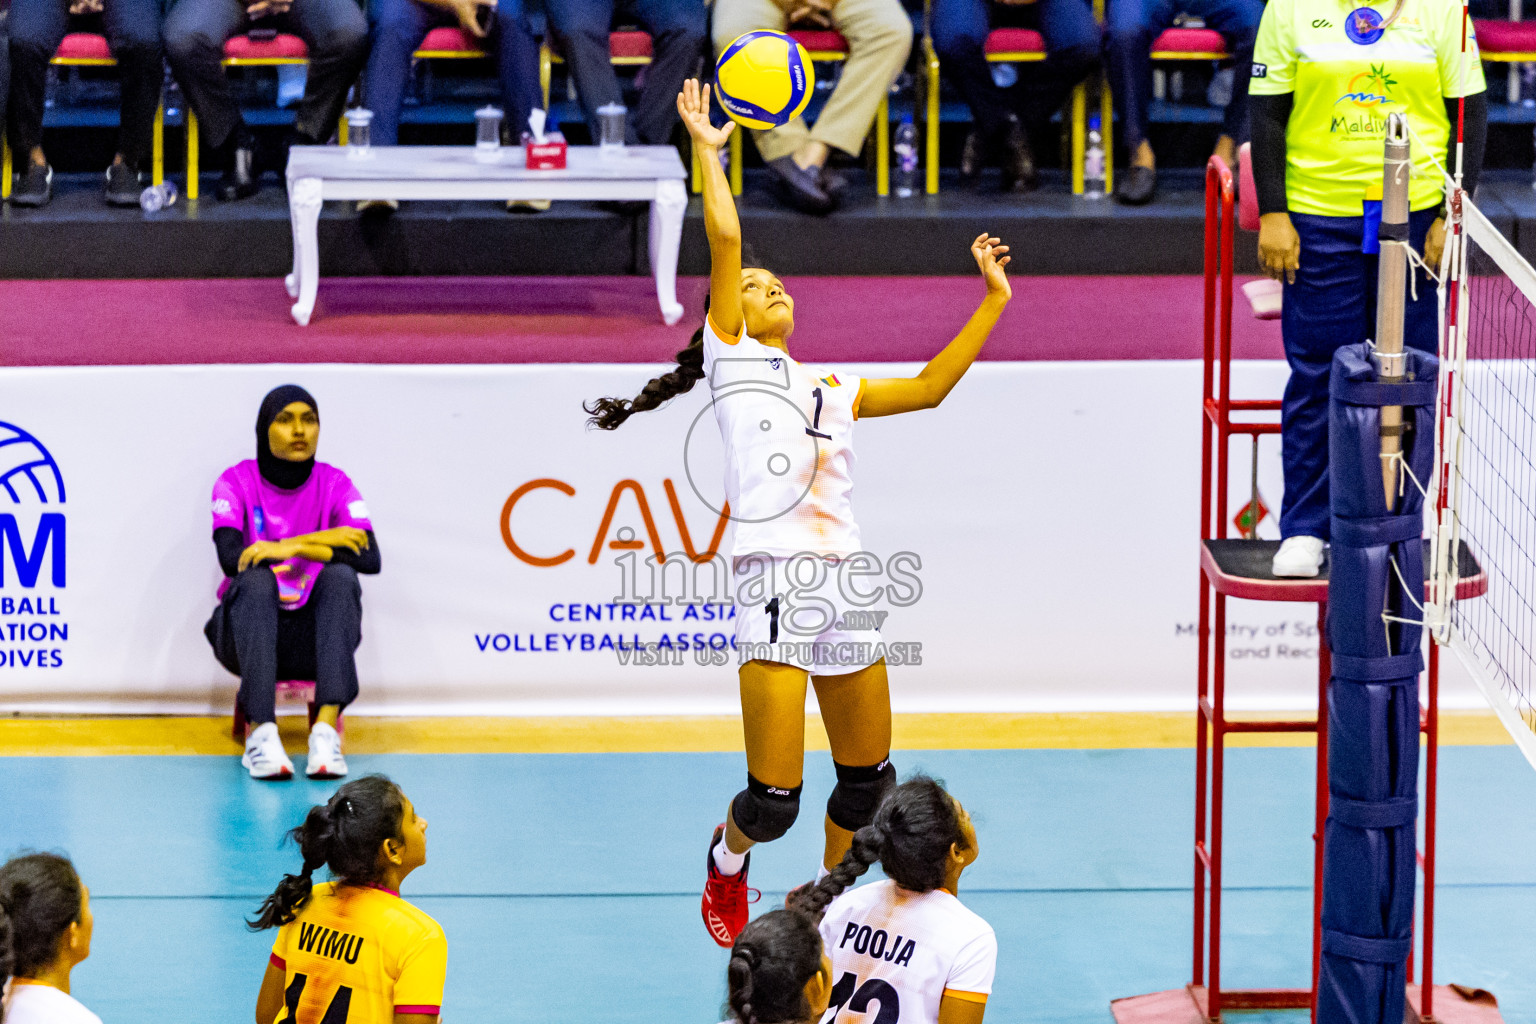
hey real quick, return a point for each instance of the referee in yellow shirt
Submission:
(1326, 73)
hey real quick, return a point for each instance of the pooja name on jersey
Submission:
(877, 944)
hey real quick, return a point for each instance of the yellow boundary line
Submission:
(86, 737)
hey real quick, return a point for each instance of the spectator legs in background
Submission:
(581, 29)
(1332, 303)
(677, 39)
(960, 29)
(1130, 27)
(677, 29)
(36, 29)
(195, 33)
(1238, 23)
(337, 605)
(133, 33)
(879, 36)
(1072, 47)
(397, 28)
(336, 33)
(517, 64)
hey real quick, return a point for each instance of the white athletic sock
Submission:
(726, 862)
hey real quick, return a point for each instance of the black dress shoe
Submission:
(1136, 186)
(239, 180)
(801, 187)
(1019, 174)
(123, 186)
(973, 156)
(834, 184)
(34, 185)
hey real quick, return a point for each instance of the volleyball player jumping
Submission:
(788, 435)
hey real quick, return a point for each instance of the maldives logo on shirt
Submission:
(1369, 89)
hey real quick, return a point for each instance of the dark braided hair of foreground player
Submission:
(45, 924)
(344, 834)
(779, 972)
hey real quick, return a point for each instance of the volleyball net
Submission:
(1486, 467)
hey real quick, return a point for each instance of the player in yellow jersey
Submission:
(351, 951)
(787, 430)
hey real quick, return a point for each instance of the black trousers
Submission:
(677, 29)
(132, 28)
(334, 30)
(262, 643)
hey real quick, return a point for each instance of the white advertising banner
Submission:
(1034, 539)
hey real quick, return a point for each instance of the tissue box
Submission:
(548, 155)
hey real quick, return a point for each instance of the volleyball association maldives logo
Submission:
(32, 484)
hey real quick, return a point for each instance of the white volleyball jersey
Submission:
(904, 950)
(788, 436)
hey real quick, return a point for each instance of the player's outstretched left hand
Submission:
(992, 256)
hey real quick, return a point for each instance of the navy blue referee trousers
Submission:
(1333, 303)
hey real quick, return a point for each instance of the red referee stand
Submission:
(1232, 567)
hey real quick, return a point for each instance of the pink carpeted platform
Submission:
(591, 319)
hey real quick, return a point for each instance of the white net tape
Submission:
(1487, 461)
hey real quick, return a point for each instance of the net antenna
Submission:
(1485, 451)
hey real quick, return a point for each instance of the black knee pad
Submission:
(858, 792)
(762, 812)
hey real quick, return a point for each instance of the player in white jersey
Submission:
(907, 943)
(788, 435)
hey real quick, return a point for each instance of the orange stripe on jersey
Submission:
(278, 962)
(725, 336)
(970, 997)
(859, 397)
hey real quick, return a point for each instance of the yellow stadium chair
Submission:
(88, 49)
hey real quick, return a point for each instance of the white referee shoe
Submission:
(1298, 557)
(264, 755)
(325, 760)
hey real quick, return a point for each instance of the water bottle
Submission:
(1093, 165)
(906, 159)
(158, 197)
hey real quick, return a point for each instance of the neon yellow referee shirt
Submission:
(1347, 75)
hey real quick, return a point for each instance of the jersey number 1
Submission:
(815, 429)
(858, 997)
(336, 1013)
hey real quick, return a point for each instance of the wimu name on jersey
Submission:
(326, 942)
(876, 943)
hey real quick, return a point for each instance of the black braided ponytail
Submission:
(40, 897)
(773, 959)
(610, 413)
(344, 834)
(914, 827)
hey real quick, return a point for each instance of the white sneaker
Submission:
(1298, 557)
(325, 760)
(264, 756)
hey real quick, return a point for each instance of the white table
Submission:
(652, 174)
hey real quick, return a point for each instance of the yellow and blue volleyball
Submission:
(764, 79)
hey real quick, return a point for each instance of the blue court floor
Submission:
(568, 883)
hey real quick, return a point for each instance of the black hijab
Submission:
(277, 471)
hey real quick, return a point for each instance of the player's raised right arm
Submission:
(721, 225)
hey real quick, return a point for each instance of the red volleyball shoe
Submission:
(726, 898)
